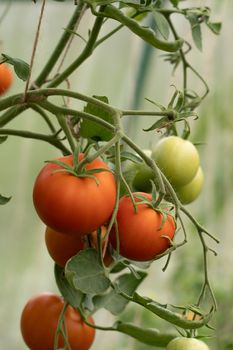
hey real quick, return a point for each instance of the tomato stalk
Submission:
(61, 329)
(77, 15)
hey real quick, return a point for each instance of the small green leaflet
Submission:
(22, 69)
(85, 273)
(4, 200)
(196, 29)
(161, 24)
(215, 27)
(92, 130)
(73, 296)
(113, 301)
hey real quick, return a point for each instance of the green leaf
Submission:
(85, 273)
(92, 130)
(150, 336)
(4, 200)
(174, 2)
(159, 124)
(22, 69)
(196, 29)
(113, 301)
(161, 24)
(215, 27)
(73, 296)
(3, 139)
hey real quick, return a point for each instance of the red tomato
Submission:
(141, 233)
(62, 247)
(39, 322)
(71, 204)
(6, 78)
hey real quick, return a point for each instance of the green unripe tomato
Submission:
(188, 193)
(139, 174)
(181, 343)
(143, 175)
(177, 158)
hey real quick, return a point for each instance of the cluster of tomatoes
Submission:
(179, 161)
(75, 199)
(75, 203)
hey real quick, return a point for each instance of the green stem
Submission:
(146, 113)
(78, 114)
(206, 277)
(197, 225)
(60, 329)
(62, 120)
(61, 45)
(84, 55)
(102, 150)
(36, 136)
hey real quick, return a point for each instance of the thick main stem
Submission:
(60, 46)
(84, 55)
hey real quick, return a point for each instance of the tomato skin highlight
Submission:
(140, 233)
(39, 320)
(6, 78)
(182, 343)
(71, 204)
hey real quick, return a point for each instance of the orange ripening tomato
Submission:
(71, 204)
(39, 322)
(62, 247)
(6, 78)
(142, 234)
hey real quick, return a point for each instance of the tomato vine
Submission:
(85, 282)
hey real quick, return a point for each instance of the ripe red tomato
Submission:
(71, 204)
(141, 233)
(62, 247)
(39, 322)
(6, 78)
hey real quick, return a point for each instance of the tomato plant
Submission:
(143, 233)
(40, 319)
(181, 343)
(74, 203)
(6, 78)
(177, 158)
(103, 229)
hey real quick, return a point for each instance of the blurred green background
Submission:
(113, 70)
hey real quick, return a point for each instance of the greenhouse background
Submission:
(116, 70)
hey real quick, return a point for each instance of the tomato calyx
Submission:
(82, 172)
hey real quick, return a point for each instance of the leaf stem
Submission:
(36, 136)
